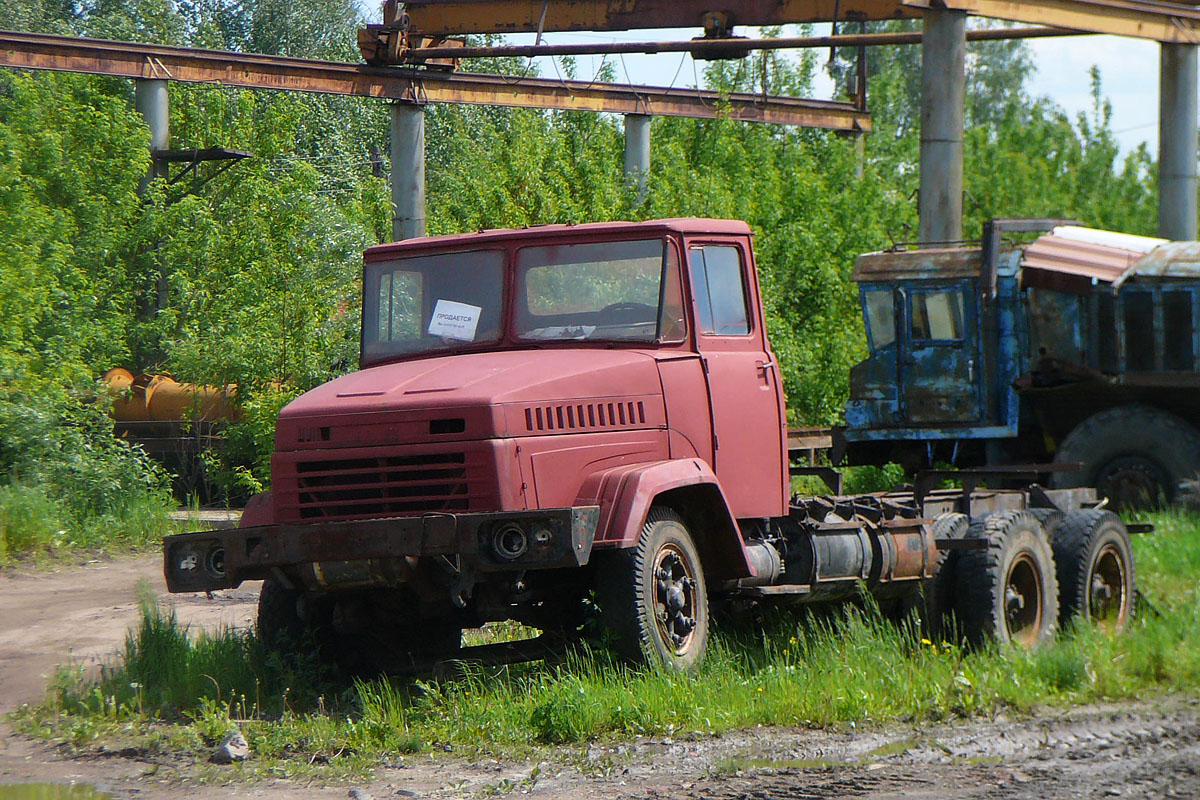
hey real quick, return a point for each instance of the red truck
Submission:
(572, 419)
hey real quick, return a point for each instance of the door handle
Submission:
(764, 367)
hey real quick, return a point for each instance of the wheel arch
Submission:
(689, 488)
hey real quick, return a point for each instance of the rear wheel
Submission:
(1134, 455)
(653, 598)
(1009, 590)
(939, 590)
(1095, 569)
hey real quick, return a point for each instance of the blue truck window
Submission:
(1139, 331)
(1106, 326)
(881, 317)
(1177, 331)
(937, 316)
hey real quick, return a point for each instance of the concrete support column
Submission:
(943, 93)
(151, 100)
(1177, 184)
(637, 152)
(408, 171)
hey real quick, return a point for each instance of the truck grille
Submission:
(384, 486)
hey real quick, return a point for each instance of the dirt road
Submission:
(1149, 749)
(81, 615)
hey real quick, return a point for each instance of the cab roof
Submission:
(591, 231)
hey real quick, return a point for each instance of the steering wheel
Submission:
(627, 306)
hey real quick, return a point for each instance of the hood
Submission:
(467, 395)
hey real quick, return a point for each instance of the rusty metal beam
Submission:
(516, 16)
(1162, 22)
(251, 71)
(1146, 19)
(719, 48)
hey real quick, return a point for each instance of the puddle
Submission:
(51, 791)
(895, 748)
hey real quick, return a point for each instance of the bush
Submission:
(66, 481)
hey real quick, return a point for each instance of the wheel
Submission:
(1009, 590)
(279, 624)
(939, 590)
(652, 597)
(1095, 569)
(933, 598)
(358, 634)
(1134, 455)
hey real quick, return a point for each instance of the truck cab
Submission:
(1035, 352)
(527, 399)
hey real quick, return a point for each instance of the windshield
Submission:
(424, 303)
(599, 291)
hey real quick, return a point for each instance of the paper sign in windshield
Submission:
(453, 320)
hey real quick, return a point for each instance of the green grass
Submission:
(171, 691)
(36, 528)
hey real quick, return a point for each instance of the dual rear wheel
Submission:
(1041, 571)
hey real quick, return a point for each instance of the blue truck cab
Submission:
(1079, 347)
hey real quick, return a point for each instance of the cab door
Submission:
(939, 355)
(742, 376)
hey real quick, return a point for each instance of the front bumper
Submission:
(491, 542)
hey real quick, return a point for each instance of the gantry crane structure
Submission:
(408, 31)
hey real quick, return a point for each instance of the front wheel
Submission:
(653, 598)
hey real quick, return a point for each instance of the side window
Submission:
(1177, 330)
(937, 316)
(881, 317)
(1106, 325)
(716, 272)
(671, 317)
(1139, 331)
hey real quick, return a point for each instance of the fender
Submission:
(625, 494)
(258, 511)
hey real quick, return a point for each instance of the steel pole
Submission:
(943, 82)
(1177, 142)
(408, 171)
(637, 152)
(151, 100)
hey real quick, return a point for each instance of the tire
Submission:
(1095, 569)
(1009, 590)
(652, 597)
(931, 599)
(279, 624)
(939, 591)
(382, 640)
(1134, 455)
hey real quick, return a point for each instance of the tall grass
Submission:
(35, 526)
(792, 669)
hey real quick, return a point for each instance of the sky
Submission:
(1128, 71)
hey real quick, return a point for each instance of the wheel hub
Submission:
(1023, 601)
(1133, 482)
(674, 599)
(1108, 603)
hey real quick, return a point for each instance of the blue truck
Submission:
(1078, 348)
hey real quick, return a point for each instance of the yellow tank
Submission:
(162, 398)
